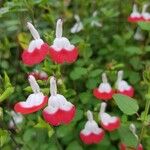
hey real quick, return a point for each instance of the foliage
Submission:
(106, 49)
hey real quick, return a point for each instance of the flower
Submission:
(17, 118)
(139, 35)
(39, 75)
(104, 91)
(59, 110)
(145, 15)
(123, 87)
(108, 122)
(62, 51)
(78, 26)
(95, 22)
(91, 134)
(135, 16)
(34, 102)
(122, 146)
(37, 49)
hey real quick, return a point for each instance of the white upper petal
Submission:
(33, 100)
(135, 15)
(106, 118)
(104, 87)
(122, 85)
(35, 44)
(146, 15)
(78, 26)
(91, 127)
(62, 43)
(58, 102)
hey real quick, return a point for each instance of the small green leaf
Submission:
(6, 93)
(6, 80)
(126, 104)
(144, 25)
(4, 137)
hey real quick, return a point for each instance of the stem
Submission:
(147, 107)
(57, 142)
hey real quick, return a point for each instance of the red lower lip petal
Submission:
(63, 55)
(111, 126)
(19, 109)
(135, 19)
(59, 117)
(92, 138)
(122, 146)
(35, 57)
(103, 95)
(129, 93)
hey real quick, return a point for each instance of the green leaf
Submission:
(64, 130)
(78, 72)
(23, 40)
(42, 124)
(144, 25)
(95, 73)
(126, 104)
(4, 137)
(74, 146)
(127, 137)
(6, 93)
(85, 97)
(6, 80)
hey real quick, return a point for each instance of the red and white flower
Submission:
(122, 146)
(135, 16)
(145, 15)
(91, 134)
(34, 102)
(37, 49)
(122, 86)
(59, 110)
(108, 122)
(62, 50)
(104, 91)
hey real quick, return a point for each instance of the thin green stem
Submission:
(57, 142)
(144, 124)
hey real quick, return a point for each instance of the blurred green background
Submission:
(109, 45)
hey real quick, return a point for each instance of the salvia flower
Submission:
(62, 50)
(37, 49)
(122, 86)
(78, 26)
(135, 16)
(91, 134)
(145, 15)
(17, 118)
(139, 35)
(104, 91)
(34, 102)
(95, 22)
(59, 110)
(109, 123)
